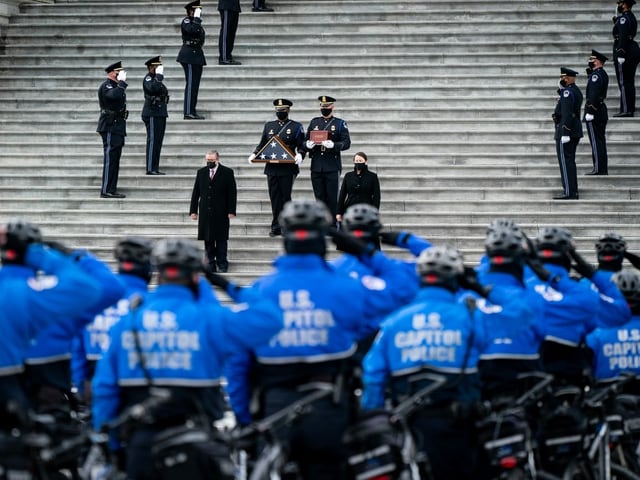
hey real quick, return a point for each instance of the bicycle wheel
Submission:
(618, 472)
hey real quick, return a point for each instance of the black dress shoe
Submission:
(223, 269)
(156, 172)
(275, 233)
(113, 195)
(566, 197)
(262, 9)
(595, 173)
(229, 62)
(623, 114)
(193, 116)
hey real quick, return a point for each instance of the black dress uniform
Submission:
(625, 47)
(154, 115)
(229, 16)
(280, 176)
(191, 57)
(596, 93)
(112, 126)
(326, 163)
(568, 124)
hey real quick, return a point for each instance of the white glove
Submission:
(251, 158)
(588, 117)
(310, 144)
(159, 69)
(197, 12)
(620, 60)
(327, 143)
(298, 159)
(565, 139)
(122, 76)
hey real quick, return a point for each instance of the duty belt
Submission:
(192, 43)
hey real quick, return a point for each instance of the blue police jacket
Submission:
(93, 340)
(53, 343)
(322, 313)
(183, 341)
(570, 308)
(31, 302)
(616, 349)
(434, 332)
(614, 309)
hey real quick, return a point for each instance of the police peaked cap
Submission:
(282, 103)
(567, 72)
(154, 61)
(114, 66)
(192, 5)
(326, 100)
(631, 3)
(598, 55)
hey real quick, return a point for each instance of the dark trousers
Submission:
(216, 251)
(280, 187)
(567, 162)
(626, 74)
(228, 28)
(596, 132)
(192, 76)
(155, 135)
(325, 188)
(112, 143)
(139, 463)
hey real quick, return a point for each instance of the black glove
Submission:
(394, 238)
(347, 243)
(536, 267)
(588, 71)
(469, 281)
(633, 258)
(58, 247)
(581, 266)
(216, 279)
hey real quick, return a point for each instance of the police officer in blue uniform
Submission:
(32, 302)
(154, 112)
(322, 313)
(326, 163)
(191, 57)
(133, 255)
(595, 112)
(568, 132)
(434, 334)
(613, 348)
(112, 126)
(280, 176)
(176, 341)
(626, 55)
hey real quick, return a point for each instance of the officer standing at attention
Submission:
(280, 176)
(568, 132)
(229, 17)
(326, 163)
(191, 57)
(154, 112)
(112, 126)
(626, 55)
(595, 112)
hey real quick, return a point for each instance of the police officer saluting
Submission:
(112, 126)
(568, 132)
(595, 112)
(191, 57)
(154, 112)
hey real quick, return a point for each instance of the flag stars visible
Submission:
(284, 156)
(273, 156)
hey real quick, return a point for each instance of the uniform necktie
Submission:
(212, 172)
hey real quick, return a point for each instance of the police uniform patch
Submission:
(147, 78)
(565, 94)
(109, 85)
(373, 283)
(186, 20)
(623, 20)
(594, 78)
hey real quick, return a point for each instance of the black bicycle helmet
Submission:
(177, 252)
(554, 243)
(505, 244)
(611, 242)
(362, 217)
(23, 231)
(304, 215)
(501, 223)
(628, 282)
(134, 249)
(439, 264)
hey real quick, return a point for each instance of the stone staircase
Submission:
(451, 101)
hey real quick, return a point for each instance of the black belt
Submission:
(192, 43)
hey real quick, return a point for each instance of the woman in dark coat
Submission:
(359, 186)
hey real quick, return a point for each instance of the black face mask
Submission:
(592, 65)
(325, 112)
(212, 164)
(359, 167)
(620, 9)
(282, 115)
(563, 83)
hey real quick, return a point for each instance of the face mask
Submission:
(563, 83)
(282, 115)
(325, 112)
(359, 167)
(592, 65)
(620, 9)
(212, 164)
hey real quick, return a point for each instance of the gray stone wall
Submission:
(9, 8)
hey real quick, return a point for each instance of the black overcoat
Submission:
(213, 201)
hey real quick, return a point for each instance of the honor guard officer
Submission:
(191, 57)
(280, 176)
(626, 55)
(112, 126)
(326, 163)
(595, 112)
(154, 112)
(568, 132)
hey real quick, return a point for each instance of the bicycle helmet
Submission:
(308, 216)
(554, 243)
(611, 242)
(628, 281)
(505, 245)
(177, 252)
(501, 223)
(18, 235)
(440, 264)
(362, 220)
(134, 249)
